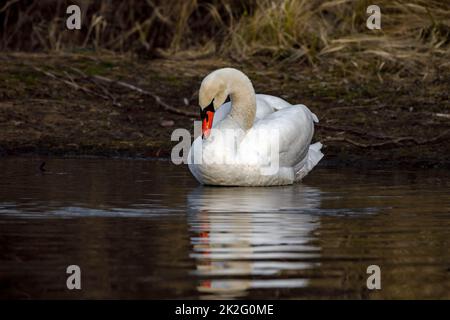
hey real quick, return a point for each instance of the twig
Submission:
(442, 115)
(108, 95)
(352, 130)
(367, 107)
(71, 82)
(8, 4)
(97, 84)
(158, 100)
(395, 141)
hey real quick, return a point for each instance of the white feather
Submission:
(251, 151)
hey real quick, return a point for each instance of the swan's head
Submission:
(212, 94)
(213, 90)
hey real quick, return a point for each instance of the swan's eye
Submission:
(204, 111)
(207, 119)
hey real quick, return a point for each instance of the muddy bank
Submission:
(72, 105)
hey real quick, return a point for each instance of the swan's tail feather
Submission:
(313, 116)
(312, 159)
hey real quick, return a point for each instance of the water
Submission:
(145, 229)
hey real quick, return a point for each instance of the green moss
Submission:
(98, 68)
(171, 79)
(19, 77)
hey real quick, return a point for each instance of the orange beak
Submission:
(207, 115)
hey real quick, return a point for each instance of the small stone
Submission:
(167, 123)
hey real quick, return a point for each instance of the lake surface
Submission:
(146, 229)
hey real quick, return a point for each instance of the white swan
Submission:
(254, 140)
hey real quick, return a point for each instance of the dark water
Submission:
(145, 229)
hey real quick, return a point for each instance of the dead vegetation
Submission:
(121, 83)
(414, 39)
(116, 106)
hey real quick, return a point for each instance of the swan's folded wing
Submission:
(275, 102)
(221, 113)
(288, 132)
(309, 162)
(314, 117)
(265, 105)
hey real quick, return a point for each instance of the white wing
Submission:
(289, 130)
(281, 133)
(265, 105)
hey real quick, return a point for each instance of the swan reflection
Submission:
(252, 238)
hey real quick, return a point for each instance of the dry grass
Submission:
(117, 25)
(415, 35)
(334, 32)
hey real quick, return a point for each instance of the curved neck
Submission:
(243, 99)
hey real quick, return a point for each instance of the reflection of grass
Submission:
(315, 32)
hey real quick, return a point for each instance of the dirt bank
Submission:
(67, 105)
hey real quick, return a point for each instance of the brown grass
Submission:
(415, 34)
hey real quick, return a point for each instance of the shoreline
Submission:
(356, 163)
(77, 105)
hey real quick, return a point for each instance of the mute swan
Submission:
(254, 140)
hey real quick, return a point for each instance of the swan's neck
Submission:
(243, 100)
